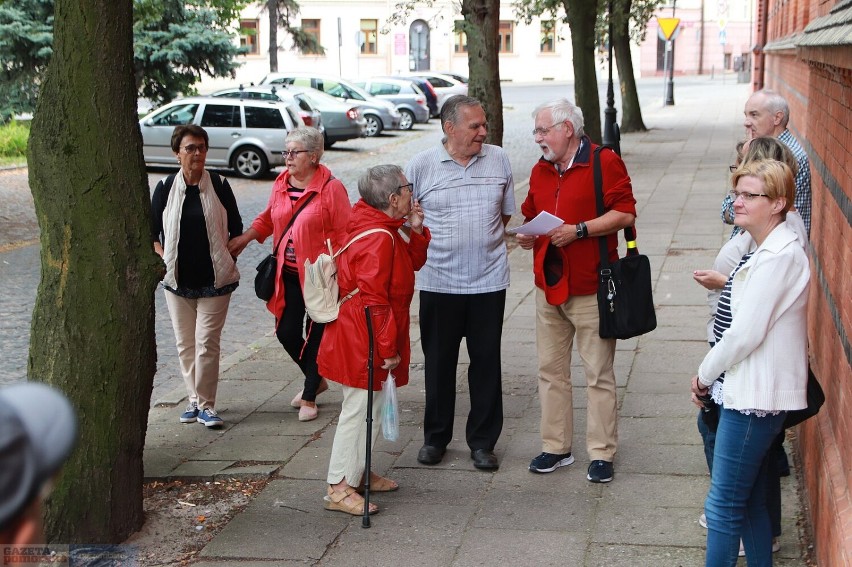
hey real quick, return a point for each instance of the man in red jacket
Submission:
(565, 262)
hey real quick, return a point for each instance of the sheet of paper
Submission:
(541, 224)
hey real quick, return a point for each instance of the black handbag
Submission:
(625, 299)
(816, 397)
(264, 281)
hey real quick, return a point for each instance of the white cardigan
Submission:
(764, 353)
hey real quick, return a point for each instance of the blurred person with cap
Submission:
(32, 450)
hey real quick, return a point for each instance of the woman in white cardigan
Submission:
(757, 371)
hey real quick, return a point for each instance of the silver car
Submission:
(444, 86)
(408, 98)
(379, 114)
(341, 120)
(245, 135)
(311, 115)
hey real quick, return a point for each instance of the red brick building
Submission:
(804, 51)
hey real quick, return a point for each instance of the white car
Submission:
(444, 85)
(245, 135)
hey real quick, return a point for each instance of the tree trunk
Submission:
(93, 320)
(272, 8)
(631, 112)
(582, 15)
(482, 25)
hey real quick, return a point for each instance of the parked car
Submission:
(457, 76)
(379, 114)
(428, 91)
(444, 86)
(311, 116)
(341, 120)
(408, 98)
(245, 135)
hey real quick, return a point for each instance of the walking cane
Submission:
(365, 522)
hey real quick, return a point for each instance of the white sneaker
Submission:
(702, 520)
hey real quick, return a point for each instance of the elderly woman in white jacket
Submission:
(757, 370)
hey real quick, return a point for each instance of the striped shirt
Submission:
(463, 206)
(290, 261)
(803, 177)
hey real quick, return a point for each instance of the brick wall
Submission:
(817, 83)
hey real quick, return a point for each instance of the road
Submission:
(247, 319)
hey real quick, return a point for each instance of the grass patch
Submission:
(13, 141)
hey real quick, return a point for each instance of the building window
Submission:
(248, 36)
(368, 33)
(506, 28)
(548, 36)
(460, 41)
(312, 28)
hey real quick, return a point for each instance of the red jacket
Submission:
(383, 271)
(326, 216)
(571, 197)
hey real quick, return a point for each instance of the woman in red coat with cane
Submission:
(381, 266)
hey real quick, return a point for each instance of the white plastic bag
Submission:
(390, 411)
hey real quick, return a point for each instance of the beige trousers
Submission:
(556, 327)
(349, 449)
(198, 327)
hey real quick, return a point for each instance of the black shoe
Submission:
(430, 455)
(484, 459)
(548, 462)
(600, 471)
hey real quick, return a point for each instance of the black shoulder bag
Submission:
(625, 301)
(264, 281)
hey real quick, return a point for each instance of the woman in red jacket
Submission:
(309, 190)
(382, 267)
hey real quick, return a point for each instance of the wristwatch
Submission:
(582, 231)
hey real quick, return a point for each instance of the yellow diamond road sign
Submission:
(668, 26)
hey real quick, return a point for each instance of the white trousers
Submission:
(349, 450)
(198, 327)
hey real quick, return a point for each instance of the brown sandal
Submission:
(336, 502)
(379, 484)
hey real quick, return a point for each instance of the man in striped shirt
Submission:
(467, 193)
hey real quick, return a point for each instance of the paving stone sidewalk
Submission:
(453, 514)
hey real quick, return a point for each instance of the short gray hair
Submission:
(378, 184)
(774, 103)
(562, 110)
(450, 110)
(309, 137)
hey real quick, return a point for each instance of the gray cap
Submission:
(38, 429)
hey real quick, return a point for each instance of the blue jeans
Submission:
(736, 504)
(709, 439)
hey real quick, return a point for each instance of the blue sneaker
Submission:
(599, 471)
(208, 418)
(191, 413)
(548, 462)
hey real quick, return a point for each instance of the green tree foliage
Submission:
(630, 21)
(173, 45)
(175, 41)
(26, 38)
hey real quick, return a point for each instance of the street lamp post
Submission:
(670, 84)
(611, 135)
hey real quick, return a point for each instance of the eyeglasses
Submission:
(733, 168)
(192, 148)
(409, 186)
(293, 153)
(746, 195)
(546, 131)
